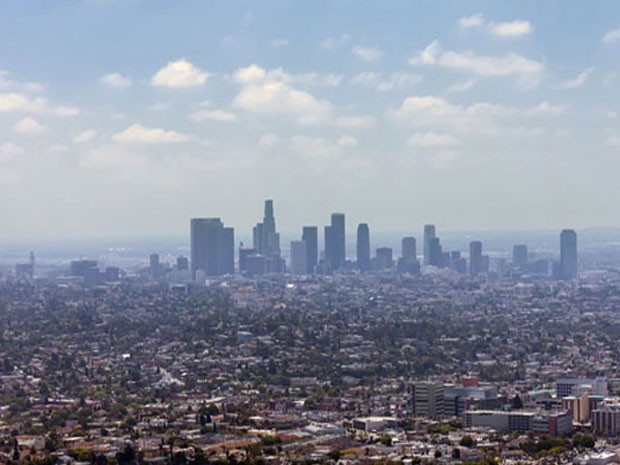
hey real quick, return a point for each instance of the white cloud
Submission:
(14, 101)
(9, 151)
(279, 43)
(368, 54)
(30, 87)
(347, 141)
(85, 136)
(65, 111)
(528, 71)
(249, 74)
(612, 36)
(141, 134)
(578, 81)
(462, 86)
(398, 80)
(515, 28)
(180, 73)
(432, 139)
(213, 115)
(331, 43)
(29, 125)
(545, 109)
(478, 117)
(313, 147)
(475, 20)
(275, 98)
(116, 81)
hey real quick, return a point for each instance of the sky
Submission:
(129, 117)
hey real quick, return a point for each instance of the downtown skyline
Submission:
(499, 117)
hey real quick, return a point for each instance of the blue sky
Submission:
(130, 117)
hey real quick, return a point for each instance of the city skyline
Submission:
(368, 118)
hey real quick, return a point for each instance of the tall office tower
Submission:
(299, 257)
(212, 247)
(329, 247)
(182, 263)
(310, 235)
(363, 247)
(154, 266)
(335, 251)
(383, 258)
(568, 254)
(408, 248)
(428, 400)
(519, 255)
(429, 234)
(244, 253)
(475, 258)
(435, 254)
(266, 238)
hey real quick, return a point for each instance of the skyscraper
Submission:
(299, 257)
(429, 234)
(212, 247)
(266, 238)
(384, 260)
(519, 255)
(363, 247)
(335, 244)
(568, 254)
(310, 235)
(475, 258)
(435, 253)
(408, 247)
(154, 266)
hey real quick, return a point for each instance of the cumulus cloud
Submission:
(29, 125)
(355, 121)
(528, 71)
(178, 74)
(347, 141)
(85, 136)
(398, 80)
(462, 86)
(268, 141)
(116, 81)
(478, 117)
(213, 115)
(516, 28)
(9, 151)
(137, 133)
(475, 20)
(612, 36)
(578, 81)
(113, 156)
(14, 101)
(432, 139)
(254, 73)
(368, 54)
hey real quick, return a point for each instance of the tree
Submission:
(466, 441)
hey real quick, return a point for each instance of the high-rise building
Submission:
(408, 247)
(154, 265)
(363, 247)
(244, 253)
(429, 234)
(335, 251)
(475, 258)
(212, 247)
(299, 257)
(310, 235)
(435, 253)
(568, 254)
(182, 263)
(384, 259)
(428, 400)
(519, 255)
(266, 238)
